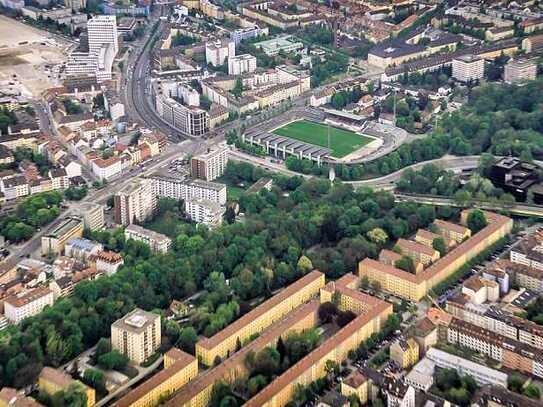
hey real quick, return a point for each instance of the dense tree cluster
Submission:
(35, 211)
(323, 71)
(344, 97)
(328, 224)
(454, 388)
(7, 118)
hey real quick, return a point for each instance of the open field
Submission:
(342, 142)
(27, 56)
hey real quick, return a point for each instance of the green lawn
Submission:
(342, 142)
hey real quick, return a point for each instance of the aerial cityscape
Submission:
(271, 203)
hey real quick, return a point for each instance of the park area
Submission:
(342, 142)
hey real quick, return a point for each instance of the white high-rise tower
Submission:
(96, 56)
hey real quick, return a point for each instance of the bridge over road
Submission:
(520, 209)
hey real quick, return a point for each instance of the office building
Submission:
(241, 64)
(27, 303)
(135, 202)
(137, 335)
(93, 215)
(157, 242)
(274, 46)
(218, 51)
(467, 68)
(514, 176)
(188, 119)
(482, 374)
(209, 165)
(520, 70)
(179, 369)
(185, 189)
(204, 211)
(66, 229)
(96, 51)
(51, 381)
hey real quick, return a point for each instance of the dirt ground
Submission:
(28, 55)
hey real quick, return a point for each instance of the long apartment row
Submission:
(433, 269)
(293, 309)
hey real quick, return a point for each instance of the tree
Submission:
(532, 391)
(476, 220)
(113, 360)
(377, 236)
(327, 311)
(331, 367)
(255, 384)
(238, 88)
(439, 244)
(95, 379)
(187, 339)
(406, 263)
(304, 265)
(365, 283)
(375, 285)
(515, 382)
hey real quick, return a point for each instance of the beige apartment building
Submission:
(137, 335)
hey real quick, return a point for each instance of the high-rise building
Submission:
(136, 335)
(241, 63)
(468, 68)
(210, 165)
(218, 51)
(136, 202)
(93, 215)
(96, 51)
(520, 70)
(183, 189)
(204, 211)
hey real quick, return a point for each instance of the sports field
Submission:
(342, 142)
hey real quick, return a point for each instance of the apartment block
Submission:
(179, 369)
(51, 381)
(93, 216)
(405, 352)
(137, 335)
(185, 189)
(529, 252)
(225, 341)
(204, 211)
(303, 317)
(240, 64)
(10, 397)
(520, 70)
(522, 275)
(498, 321)
(218, 51)
(427, 238)
(312, 367)
(481, 374)
(467, 68)
(356, 383)
(418, 252)
(414, 287)
(66, 229)
(135, 202)
(108, 262)
(390, 258)
(27, 303)
(210, 165)
(452, 231)
(157, 242)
